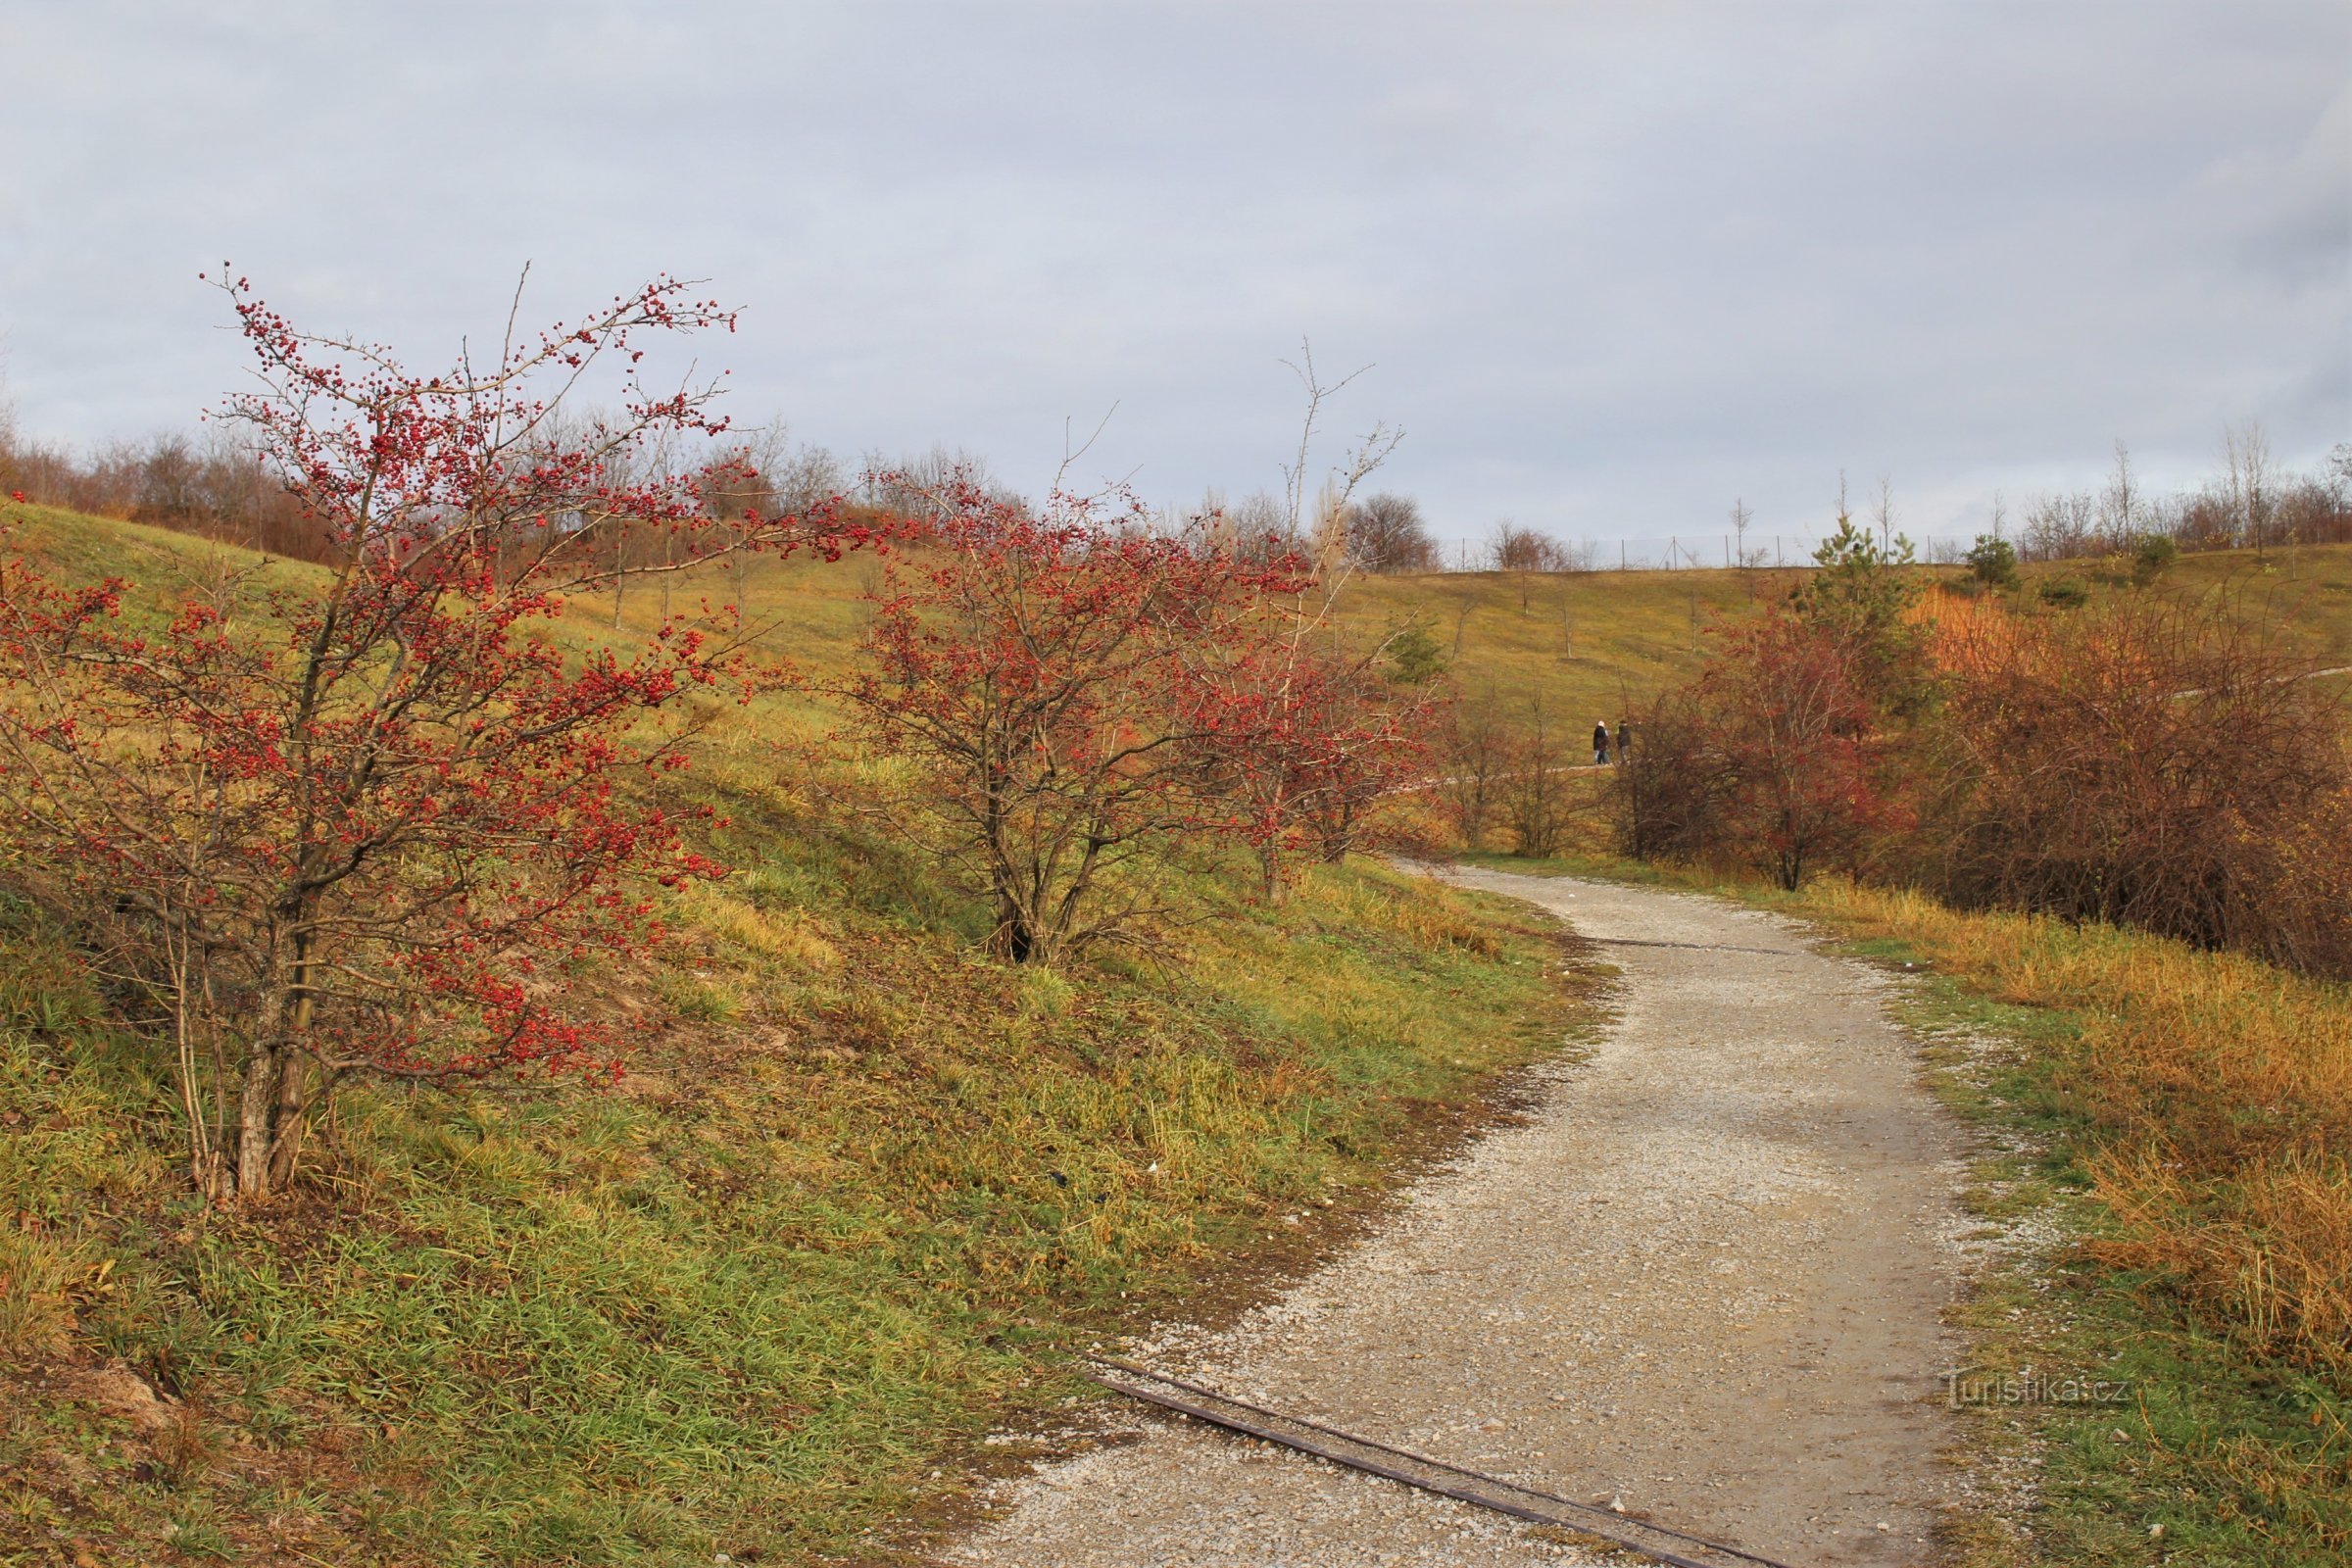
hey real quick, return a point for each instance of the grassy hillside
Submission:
(762, 1298)
(1594, 644)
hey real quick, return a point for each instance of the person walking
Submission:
(1601, 742)
(1625, 740)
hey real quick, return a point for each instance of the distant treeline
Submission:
(212, 486)
(209, 486)
(2251, 503)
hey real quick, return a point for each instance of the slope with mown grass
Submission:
(1601, 644)
(766, 1295)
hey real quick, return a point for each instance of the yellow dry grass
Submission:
(2220, 1091)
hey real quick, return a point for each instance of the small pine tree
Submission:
(1992, 561)
(1858, 595)
(1414, 656)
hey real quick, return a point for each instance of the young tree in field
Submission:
(356, 824)
(1055, 682)
(2246, 462)
(1992, 561)
(1474, 753)
(1859, 597)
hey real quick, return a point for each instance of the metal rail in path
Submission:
(1655, 1542)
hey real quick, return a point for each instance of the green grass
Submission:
(762, 1298)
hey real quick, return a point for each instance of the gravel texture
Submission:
(1704, 1282)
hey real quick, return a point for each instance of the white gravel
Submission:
(1703, 1280)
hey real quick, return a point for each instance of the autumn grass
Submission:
(1588, 644)
(1596, 645)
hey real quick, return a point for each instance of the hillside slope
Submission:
(1594, 645)
(763, 1297)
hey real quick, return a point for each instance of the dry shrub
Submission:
(1670, 802)
(215, 489)
(2151, 764)
(1474, 755)
(1534, 802)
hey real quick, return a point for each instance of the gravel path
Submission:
(1705, 1280)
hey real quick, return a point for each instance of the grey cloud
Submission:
(1615, 263)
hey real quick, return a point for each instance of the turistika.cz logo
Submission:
(1963, 1388)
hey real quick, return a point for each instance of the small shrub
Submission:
(2064, 593)
(2152, 557)
(1414, 656)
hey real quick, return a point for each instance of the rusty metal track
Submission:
(1655, 1542)
(1697, 946)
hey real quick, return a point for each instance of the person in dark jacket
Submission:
(1625, 740)
(1600, 744)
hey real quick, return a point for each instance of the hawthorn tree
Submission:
(1310, 741)
(1770, 758)
(351, 828)
(1057, 682)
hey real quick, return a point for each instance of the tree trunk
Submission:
(1013, 937)
(274, 1115)
(257, 1118)
(291, 1119)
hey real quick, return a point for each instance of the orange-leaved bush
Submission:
(2163, 763)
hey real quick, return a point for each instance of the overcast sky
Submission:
(1613, 264)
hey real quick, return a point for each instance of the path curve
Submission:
(1704, 1279)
